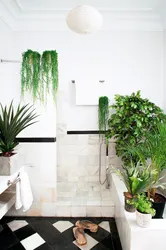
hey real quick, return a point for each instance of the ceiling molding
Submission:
(19, 19)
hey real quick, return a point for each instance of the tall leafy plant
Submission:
(103, 113)
(133, 117)
(30, 73)
(49, 65)
(12, 123)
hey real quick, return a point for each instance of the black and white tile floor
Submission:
(43, 233)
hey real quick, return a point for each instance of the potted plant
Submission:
(136, 178)
(131, 119)
(154, 147)
(144, 210)
(11, 124)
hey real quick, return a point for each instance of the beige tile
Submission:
(48, 209)
(108, 211)
(78, 211)
(62, 211)
(94, 211)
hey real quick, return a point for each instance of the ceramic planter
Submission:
(159, 206)
(128, 207)
(9, 165)
(143, 220)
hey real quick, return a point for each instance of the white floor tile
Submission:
(90, 243)
(62, 225)
(17, 224)
(32, 242)
(105, 225)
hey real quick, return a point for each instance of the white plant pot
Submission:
(10, 165)
(143, 220)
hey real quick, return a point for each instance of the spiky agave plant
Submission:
(12, 123)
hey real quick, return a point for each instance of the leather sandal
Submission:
(79, 235)
(86, 224)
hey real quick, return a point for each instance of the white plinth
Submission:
(131, 235)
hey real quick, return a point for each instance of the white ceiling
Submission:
(63, 4)
(50, 14)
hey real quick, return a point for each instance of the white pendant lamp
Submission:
(84, 19)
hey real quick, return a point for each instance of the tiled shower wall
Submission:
(78, 173)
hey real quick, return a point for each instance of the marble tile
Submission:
(32, 242)
(107, 203)
(108, 211)
(17, 224)
(63, 211)
(48, 209)
(78, 211)
(105, 225)
(62, 225)
(79, 201)
(83, 140)
(92, 211)
(94, 194)
(94, 202)
(90, 243)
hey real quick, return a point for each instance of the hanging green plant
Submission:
(49, 73)
(30, 73)
(103, 113)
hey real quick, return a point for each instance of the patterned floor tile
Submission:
(32, 242)
(53, 233)
(24, 232)
(105, 225)
(63, 225)
(17, 224)
(91, 242)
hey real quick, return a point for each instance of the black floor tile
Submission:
(18, 246)
(100, 247)
(71, 246)
(7, 241)
(46, 230)
(24, 232)
(44, 246)
(59, 243)
(108, 242)
(100, 235)
(68, 235)
(6, 219)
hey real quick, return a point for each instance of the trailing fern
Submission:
(103, 113)
(49, 63)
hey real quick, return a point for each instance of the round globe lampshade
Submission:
(84, 19)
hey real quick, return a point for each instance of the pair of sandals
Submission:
(79, 233)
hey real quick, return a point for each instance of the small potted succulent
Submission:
(144, 210)
(11, 124)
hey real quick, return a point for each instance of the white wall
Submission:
(127, 60)
(164, 72)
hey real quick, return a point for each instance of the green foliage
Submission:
(12, 123)
(133, 118)
(30, 73)
(136, 177)
(103, 113)
(142, 203)
(39, 74)
(154, 147)
(50, 71)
